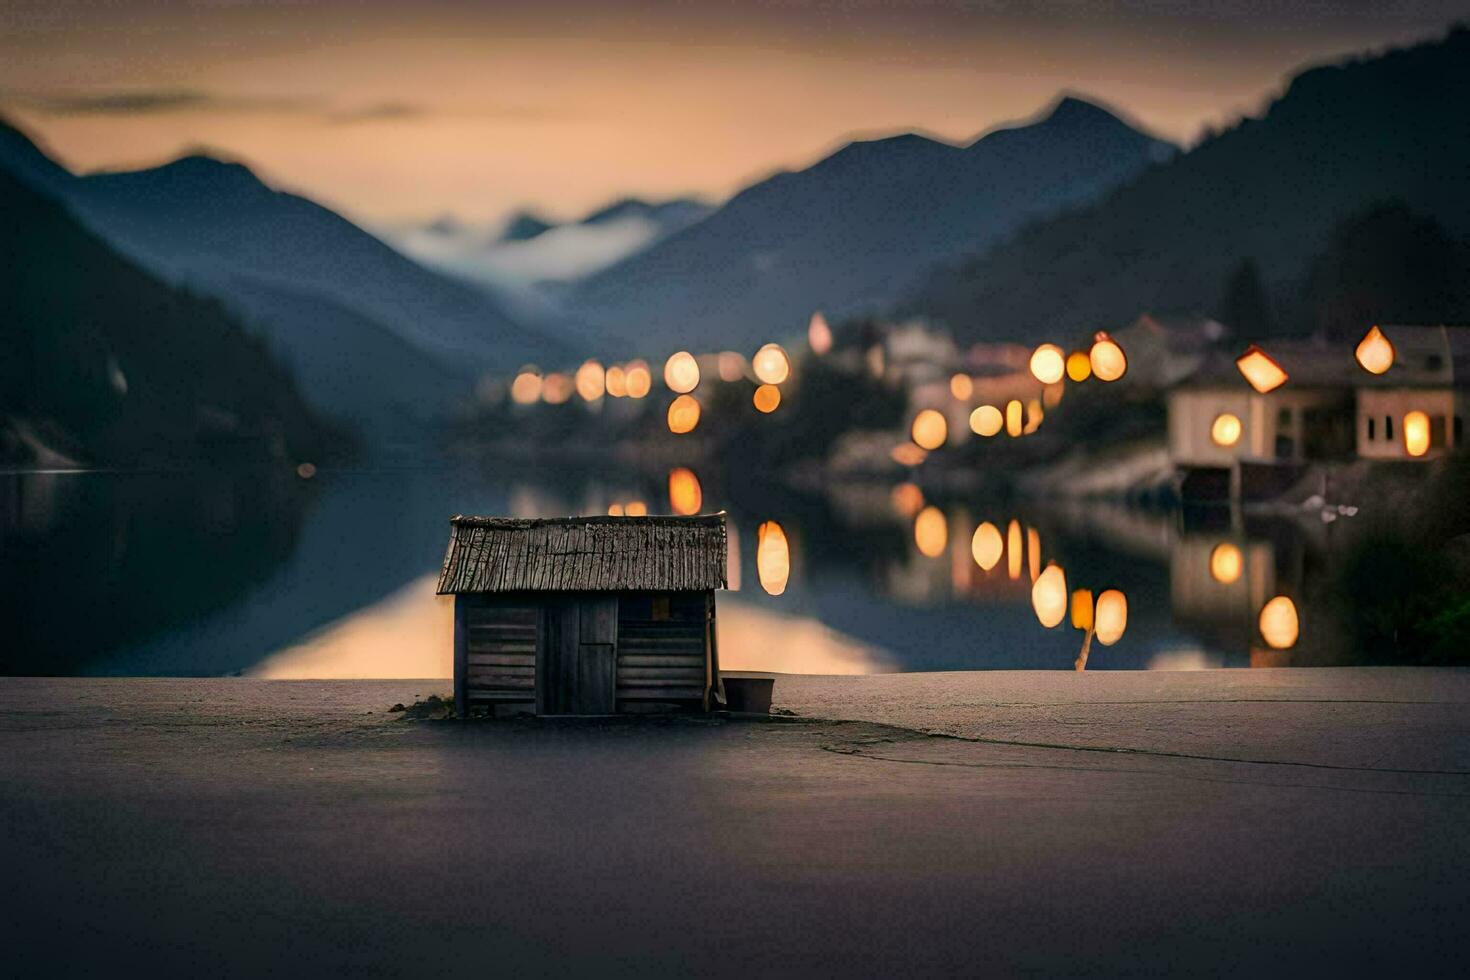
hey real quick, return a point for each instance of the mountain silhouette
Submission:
(1270, 190)
(373, 336)
(855, 230)
(524, 226)
(100, 361)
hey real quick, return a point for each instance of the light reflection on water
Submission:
(208, 573)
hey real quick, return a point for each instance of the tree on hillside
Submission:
(1244, 306)
(1388, 265)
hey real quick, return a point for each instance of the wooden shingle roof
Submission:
(592, 554)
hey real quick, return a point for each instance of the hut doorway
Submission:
(576, 656)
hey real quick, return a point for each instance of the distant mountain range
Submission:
(1340, 140)
(100, 361)
(855, 231)
(529, 256)
(372, 335)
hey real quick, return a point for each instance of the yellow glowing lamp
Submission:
(1079, 366)
(819, 334)
(1014, 426)
(591, 381)
(962, 386)
(1279, 624)
(1110, 617)
(681, 372)
(1082, 609)
(1261, 370)
(616, 380)
(1013, 550)
(1225, 430)
(767, 399)
(636, 508)
(683, 415)
(1048, 364)
(1049, 596)
(1034, 414)
(931, 532)
(1416, 433)
(685, 494)
(929, 429)
(986, 421)
(1226, 563)
(772, 557)
(639, 379)
(986, 546)
(771, 365)
(526, 388)
(1375, 351)
(1106, 358)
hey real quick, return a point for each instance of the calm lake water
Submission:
(267, 574)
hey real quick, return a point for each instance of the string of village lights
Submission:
(770, 367)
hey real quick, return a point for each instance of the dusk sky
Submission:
(398, 111)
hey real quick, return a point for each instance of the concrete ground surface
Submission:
(969, 824)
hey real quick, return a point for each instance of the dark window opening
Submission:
(1433, 362)
(1459, 429)
(1388, 427)
(1371, 423)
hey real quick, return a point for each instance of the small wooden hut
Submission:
(585, 615)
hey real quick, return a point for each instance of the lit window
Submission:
(1226, 429)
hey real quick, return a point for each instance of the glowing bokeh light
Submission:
(681, 372)
(1034, 415)
(731, 366)
(1049, 596)
(1014, 425)
(929, 429)
(1033, 552)
(1225, 430)
(639, 379)
(908, 454)
(616, 381)
(1079, 366)
(1258, 367)
(818, 334)
(1082, 609)
(1375, 351)
(1110, 617)
(683, 415)
(986, 546)
(526, 389)
(557, 389)
(615, 510)
(907, 499)
(1048, 364)
(931, 532)
(1013, 550)
(1416, 433)
(771, 365)
(591, 381)
(767, 399)
(772, 558)
(1279, 624)
(636, 508)
(1107, 359)
(685, 494)
(1226, 563)
(986, 421)
(962, 386)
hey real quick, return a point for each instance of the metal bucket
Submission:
(748, 694)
